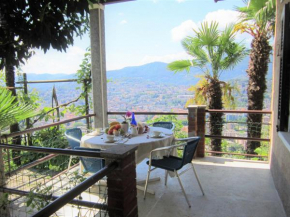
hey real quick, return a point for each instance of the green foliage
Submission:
(38, 197)
(76, 178)
(2, 78)
(39, 24)
(4, 201)
(12, 111)
(84, 78)
(53, 138)
(257, 17)
(263, 150)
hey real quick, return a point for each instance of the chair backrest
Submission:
(74, 136)
(164, 124)
(91, 165)
(189, 150)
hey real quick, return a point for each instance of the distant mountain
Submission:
(151, 81)
(156, 72)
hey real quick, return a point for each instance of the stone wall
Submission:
(280, 155)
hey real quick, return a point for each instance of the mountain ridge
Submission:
(158, 72)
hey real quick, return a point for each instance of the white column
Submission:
(99, 78)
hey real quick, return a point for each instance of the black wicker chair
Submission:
(173, 164)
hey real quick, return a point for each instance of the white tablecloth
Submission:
(145, 144)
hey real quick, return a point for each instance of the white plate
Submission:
(156, 137)
(110, 141)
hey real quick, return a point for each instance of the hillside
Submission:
(147, 87)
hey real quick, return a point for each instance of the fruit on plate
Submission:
(114, 123)
(106, 131)
(114, 127)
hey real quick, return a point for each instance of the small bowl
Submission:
(110, 137)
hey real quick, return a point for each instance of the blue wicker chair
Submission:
(73, 136)
(173, 164)
(91, 165)
(164, 124)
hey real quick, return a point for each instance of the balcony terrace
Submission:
(233, 188)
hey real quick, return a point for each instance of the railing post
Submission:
(196, 126)
(122, 192)
(28, 125)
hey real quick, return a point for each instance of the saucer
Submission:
(156, 137)
(110, 141)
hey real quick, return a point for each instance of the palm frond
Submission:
(179, 66)
(11, 111)
(259, 13)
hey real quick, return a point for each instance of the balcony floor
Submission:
(233, 188)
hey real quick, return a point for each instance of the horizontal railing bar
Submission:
(49, 81)
(237, 137)
(186, 113)
(52, 150)
(31, 130)
(13, 88)
(32, 164)
(149, 113)
(239, 111)
(237, 122)
(74, 202)
(64, 199)
(230, 153)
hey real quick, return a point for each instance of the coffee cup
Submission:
(110, 138)
(157, 133)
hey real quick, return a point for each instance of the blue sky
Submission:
(141, 32)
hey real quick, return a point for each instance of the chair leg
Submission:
(197, 179)
(182, 188)
(146, 184)
(166, 176)
(69, 163)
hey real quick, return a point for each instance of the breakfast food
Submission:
(112, 128)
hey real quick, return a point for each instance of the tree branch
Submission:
(62, 105)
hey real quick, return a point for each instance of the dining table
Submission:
(145, 142)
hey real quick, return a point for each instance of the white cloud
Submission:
(123, 22)
(184, 29)
(223, 17)
(54, 62)
(165, 58)
(179, 1)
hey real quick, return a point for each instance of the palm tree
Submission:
(10, 112)
(212, 52)
(258, 20)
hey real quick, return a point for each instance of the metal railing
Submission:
(208, 111)
(60, 201)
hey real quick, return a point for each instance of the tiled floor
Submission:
(233, 188)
